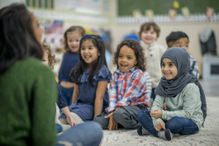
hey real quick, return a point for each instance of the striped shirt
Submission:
(131, 88)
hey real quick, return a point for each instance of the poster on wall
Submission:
(54, 30)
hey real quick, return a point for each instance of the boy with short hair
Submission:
(149, 33)
(181, 39)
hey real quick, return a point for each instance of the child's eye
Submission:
(90, 48)
(171, 64)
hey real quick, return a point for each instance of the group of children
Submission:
(153, 89)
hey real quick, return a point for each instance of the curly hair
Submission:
(51, 57)
(136, 47)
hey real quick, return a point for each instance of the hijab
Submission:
(180, 58)
(170, 88)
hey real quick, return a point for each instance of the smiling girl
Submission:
(177, 106)
(90, 79)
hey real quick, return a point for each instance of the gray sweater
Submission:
(186, 104)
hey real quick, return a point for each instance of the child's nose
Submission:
(86, 51)
(165, 68)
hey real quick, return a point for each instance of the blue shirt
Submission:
(70, 59)
(87, 91)
(84, 107)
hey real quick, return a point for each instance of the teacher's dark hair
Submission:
(17, 39)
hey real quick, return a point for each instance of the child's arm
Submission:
(156, 112)
(112, 94)
(75, 93)
(101, 89)
(66, 109)
(191, 103)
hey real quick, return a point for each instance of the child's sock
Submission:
(165, 134)
(141, 131)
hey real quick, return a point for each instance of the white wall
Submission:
(191, 28)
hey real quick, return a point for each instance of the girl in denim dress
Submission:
(90, 78)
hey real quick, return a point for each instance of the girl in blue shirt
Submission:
(90, 78)
(72, 38)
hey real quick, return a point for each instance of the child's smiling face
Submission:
(168, 69)
(89, 52)
(126, 59)
(73, 40)
(149, 36)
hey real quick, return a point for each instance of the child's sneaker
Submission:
(166, 134)
(141, 131)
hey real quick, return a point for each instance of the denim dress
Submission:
(70, 60)
(87, 94)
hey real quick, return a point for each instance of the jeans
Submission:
(85, 134)
(177, 125)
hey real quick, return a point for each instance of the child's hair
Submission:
(147, 26)
(17, 39)
(174, 36)
(78, 29)
(51, 57)
(101, 60)
(136, 47)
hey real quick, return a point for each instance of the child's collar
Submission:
(131, 70)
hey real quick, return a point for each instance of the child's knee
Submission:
(102, 121)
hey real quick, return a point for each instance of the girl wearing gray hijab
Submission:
(177, 108)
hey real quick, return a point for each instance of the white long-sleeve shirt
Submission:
(153, 54)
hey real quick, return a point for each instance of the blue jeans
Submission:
(177, 125)
(85, 134)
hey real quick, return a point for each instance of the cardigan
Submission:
(28, 95)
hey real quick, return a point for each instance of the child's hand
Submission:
(159, 124)
(70, 120)
(156, 114)
(109, 115)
